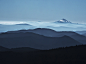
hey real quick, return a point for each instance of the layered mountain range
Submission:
(42, 35)
(41, 38)
(43, 43)
(51, 33)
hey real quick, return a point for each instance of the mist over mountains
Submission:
(45, 31)
(62, 40)
(61, 25)
(41, 38)
(42, 31)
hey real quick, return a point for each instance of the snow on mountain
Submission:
(63, 21)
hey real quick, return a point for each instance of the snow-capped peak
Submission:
(63, 21)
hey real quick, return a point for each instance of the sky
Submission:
(43, 10)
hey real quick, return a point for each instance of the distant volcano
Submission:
(63, 21)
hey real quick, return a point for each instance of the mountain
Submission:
(42, 31)
(51, 33)
(45, 32)
(67, 55)
(3, 49)
(63, 21)
(84, 34)
(20, 49)
(36, 41)
(81, 32)
(23, 49)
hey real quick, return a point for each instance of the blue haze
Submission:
(43, 10)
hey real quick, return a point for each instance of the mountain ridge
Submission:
(35, 41)
(51, 33)
(67, 55)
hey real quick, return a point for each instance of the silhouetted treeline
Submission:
(68, 55)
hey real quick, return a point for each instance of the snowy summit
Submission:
(63, 21)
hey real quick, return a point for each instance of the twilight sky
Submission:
(43, 10)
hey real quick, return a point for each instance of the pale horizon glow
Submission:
(43, 10)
